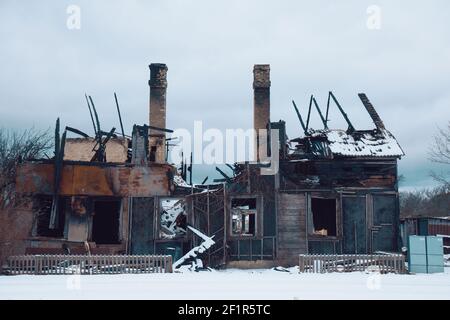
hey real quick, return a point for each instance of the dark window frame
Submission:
(310, 218)
(258, 215)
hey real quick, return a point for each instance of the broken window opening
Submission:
(42, 206)
(152, 156)
(243, 216)
(323, 214)
(173, 218)
(105, 224)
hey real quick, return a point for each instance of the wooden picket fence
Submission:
(324, 263)
(88, 264)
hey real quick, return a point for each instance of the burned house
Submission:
(96, 190)
(334, 191)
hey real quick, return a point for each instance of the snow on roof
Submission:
(366, 143)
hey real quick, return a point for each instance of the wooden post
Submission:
(170, 268)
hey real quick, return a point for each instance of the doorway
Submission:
(105, 224)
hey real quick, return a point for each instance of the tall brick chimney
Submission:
(158, 88)
(261, 107)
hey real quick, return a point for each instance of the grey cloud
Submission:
(210, 48)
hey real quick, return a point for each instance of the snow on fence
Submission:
(323, 263)
(88, 264)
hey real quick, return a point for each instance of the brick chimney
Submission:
(158, 88)
(261, 107)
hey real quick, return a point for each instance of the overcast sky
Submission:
(210, 48)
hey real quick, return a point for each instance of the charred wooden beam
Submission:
(371, 110)
(58, 167)
(90, 112)
(350, 126)
(79, 132)
(190, 171)
(324, 121)
(182, 165)
(57, 138)
(96, 115)
(230, 166)
(227, 178)
(300, 118)
(185, 170)
(328, 107)
(118, 112)
(309, 113)
(160, 129)
(105, 133)
(100, 152)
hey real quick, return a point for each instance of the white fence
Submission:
(88, 264)
(323, 263)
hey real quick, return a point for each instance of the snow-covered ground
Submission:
(229, 284)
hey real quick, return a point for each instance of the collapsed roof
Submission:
(357, 144)
(373, 144)
(332, 143)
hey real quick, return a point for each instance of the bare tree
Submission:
(432, 202)
(16, 147)
(412, 203)
(440, 153)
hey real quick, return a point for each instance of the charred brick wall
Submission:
(81, 149)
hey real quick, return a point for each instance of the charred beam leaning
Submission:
(90, 112)
(160, 129)
(118, 112)
(58, 165)
(96, 116)
(324, 121)
(350, 126)
(300, 118)
(328, 107)
(309, 113)
(371, 110)
(230, 166)
(76, 131)
(227, 178)
(100, 154)
(190, 171)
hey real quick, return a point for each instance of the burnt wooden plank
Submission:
(142, 224)
(292, 218)
(291, 227)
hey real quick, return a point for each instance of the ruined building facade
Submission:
(335, 191)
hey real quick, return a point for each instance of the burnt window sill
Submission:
(319, 237)
(45, 238)
(244, 237)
